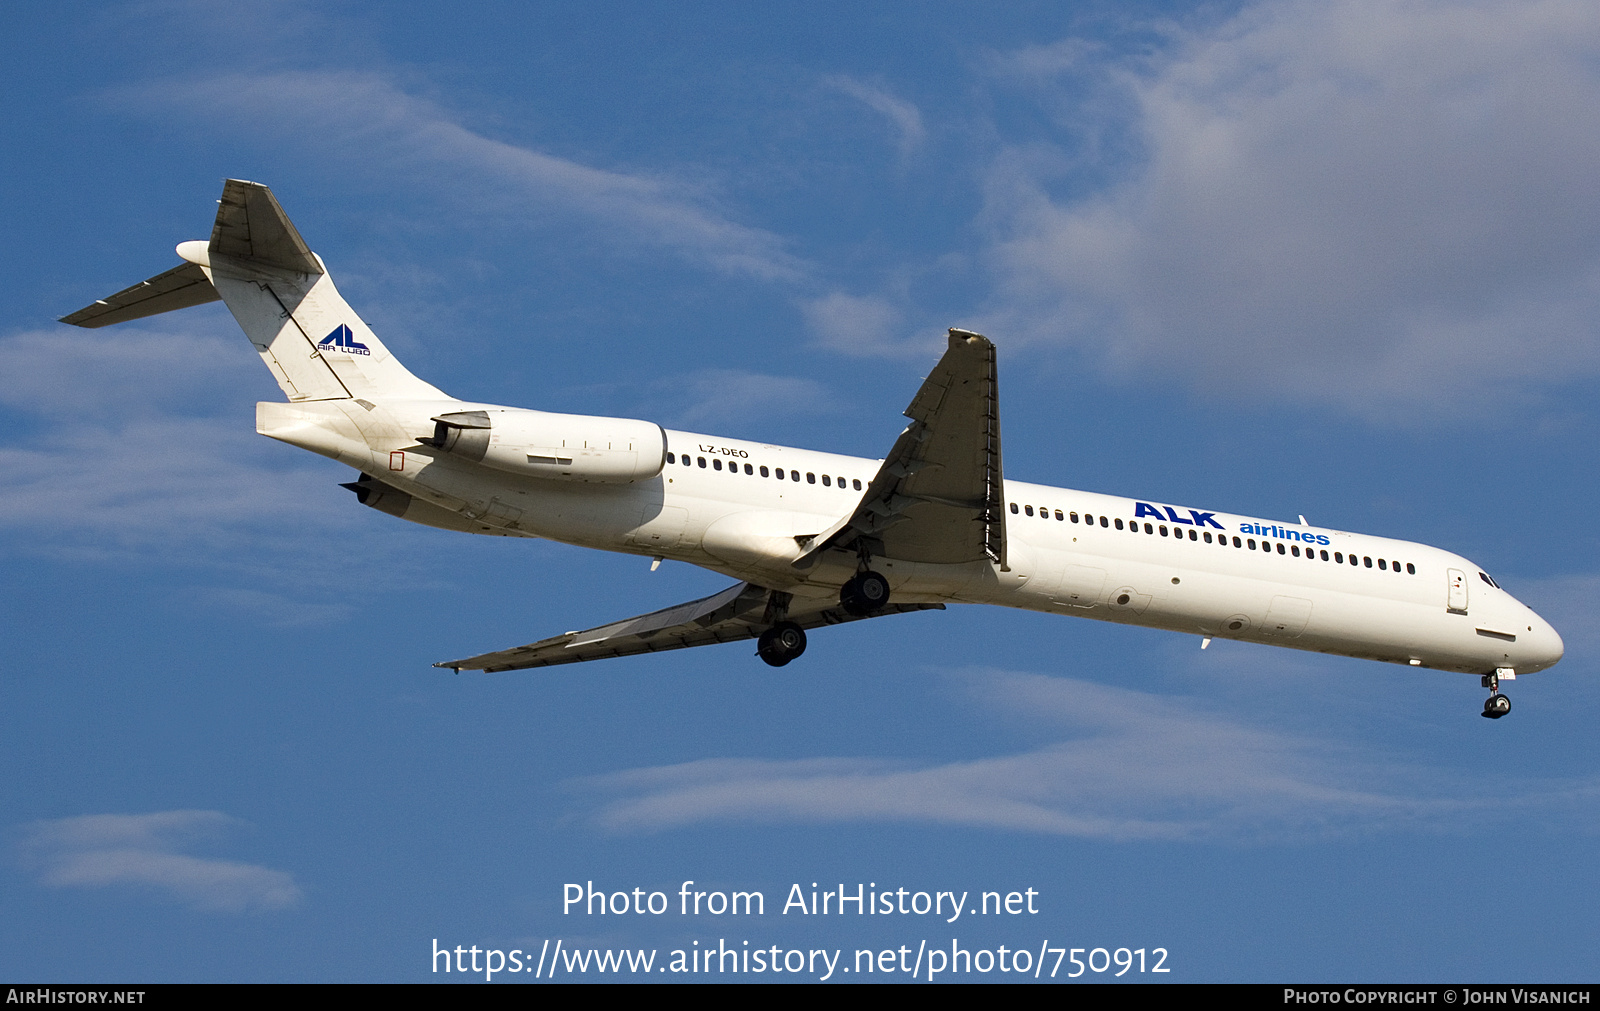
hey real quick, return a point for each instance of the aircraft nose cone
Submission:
(1547, 647)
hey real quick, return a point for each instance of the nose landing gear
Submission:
(1496, 705)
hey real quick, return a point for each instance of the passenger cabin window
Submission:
(1027, 510)
(1367, 561)
(716, 464)
(778, 473)
(1104, 522)
(855, 483)
(671, 459)
(1074, 518)
(702, 461)
(794, 475)
(826, 481)
(811, 478)
(1013, 509)
(1411, 570)
(748, 469)
(765, 472)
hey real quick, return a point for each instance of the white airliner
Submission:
(815, 538)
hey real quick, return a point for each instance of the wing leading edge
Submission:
(742, 611)
(938, 496)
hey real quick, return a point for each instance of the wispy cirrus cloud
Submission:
(134, 441)
(369, 118)
(862, 325)
(732, 396)
(1367, 203)
(144, 851)
(904, 118)
(1129, 765)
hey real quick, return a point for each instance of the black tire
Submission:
(866, 593)
(781, 643)
(850, 600)
(873, 590)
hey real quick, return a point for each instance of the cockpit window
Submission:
(1485, 577)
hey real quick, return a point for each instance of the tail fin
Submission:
(280, 293)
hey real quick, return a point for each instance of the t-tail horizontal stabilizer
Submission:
(178, 288)
(279, 292)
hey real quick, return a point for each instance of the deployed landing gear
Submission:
(1497, 705)
(864, 594)
(781, 643)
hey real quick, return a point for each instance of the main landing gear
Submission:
(865, 593)
(781, 643)
(1497, 705)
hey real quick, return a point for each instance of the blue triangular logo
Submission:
(341, 337)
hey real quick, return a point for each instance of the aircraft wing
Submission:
(938, 495)
(742, 611)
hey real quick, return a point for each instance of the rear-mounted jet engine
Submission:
(563, 447)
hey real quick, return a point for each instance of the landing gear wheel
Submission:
(1496, 706)
(781, 643)
(866, 593)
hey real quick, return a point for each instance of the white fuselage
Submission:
(718, 503)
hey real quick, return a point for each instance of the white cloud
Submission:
(855, 324)
(1130, 766)
(139, 438)
(368, 120)
(96, 851)
(903, 117)
(733, 396)
(1384, 205)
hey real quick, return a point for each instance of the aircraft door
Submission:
(502, 515)
(660, 527)
(1287, 616)
(1458, 591)
(1080, 586)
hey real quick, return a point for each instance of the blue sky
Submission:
(1339, 259)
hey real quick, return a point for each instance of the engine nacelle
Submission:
(561, 447)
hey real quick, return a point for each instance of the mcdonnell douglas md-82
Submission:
(815, 538)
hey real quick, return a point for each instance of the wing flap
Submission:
(742, 611)
(178, 288)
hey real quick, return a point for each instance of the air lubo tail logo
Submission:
(344, 340)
